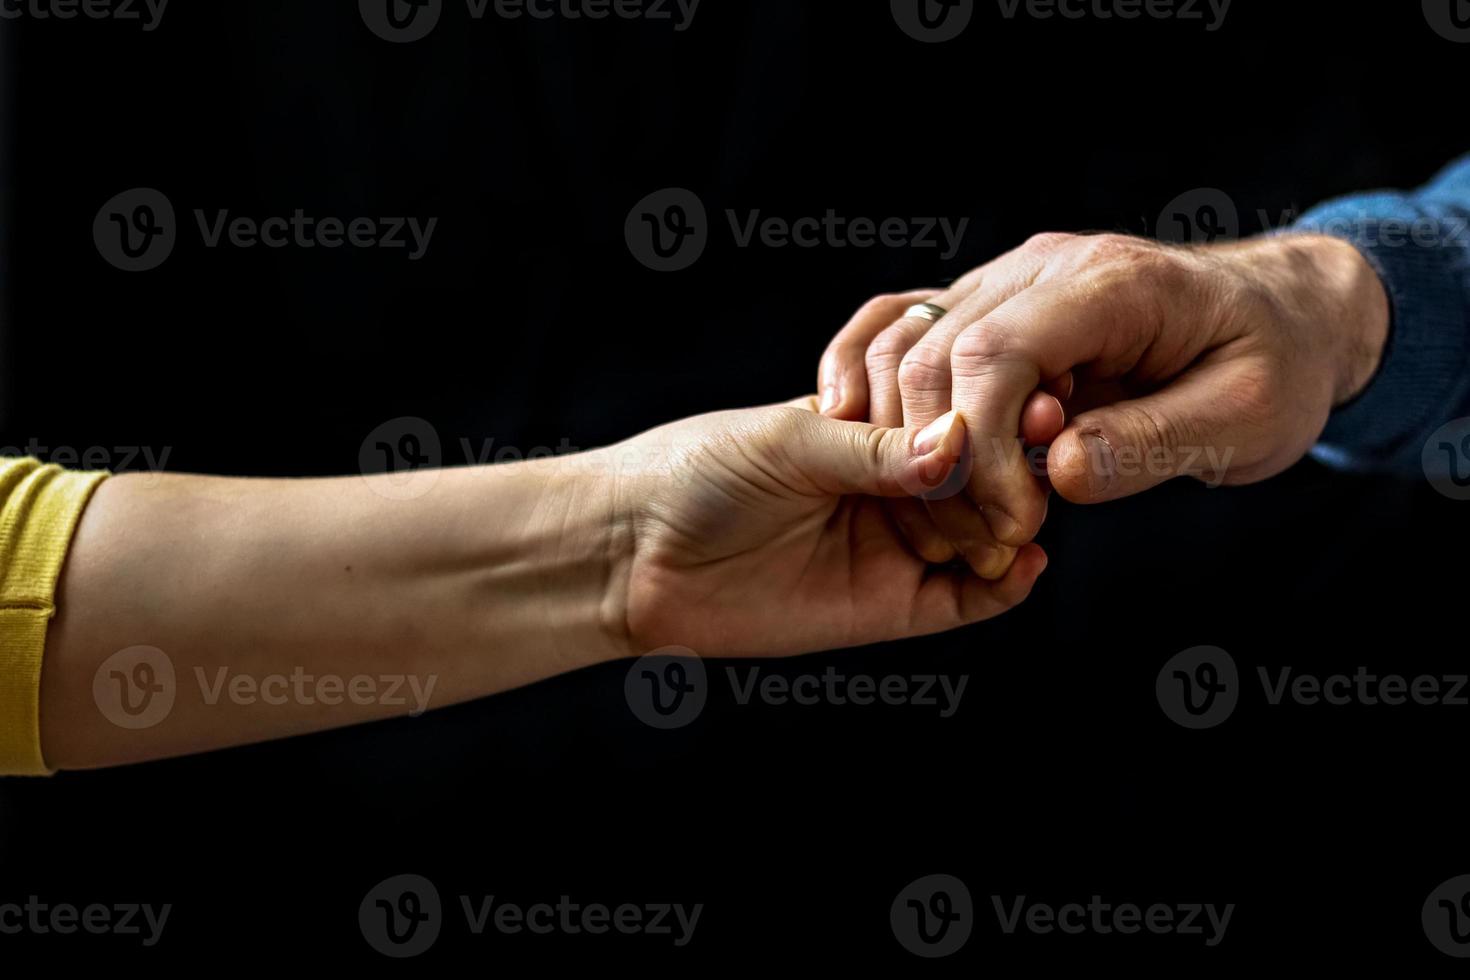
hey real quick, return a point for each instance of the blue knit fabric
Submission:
(1419, 243)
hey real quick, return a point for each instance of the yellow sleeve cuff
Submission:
(39, 509)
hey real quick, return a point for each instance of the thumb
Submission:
(841, 458)
(1186, 429)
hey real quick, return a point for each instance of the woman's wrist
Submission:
(576, 547)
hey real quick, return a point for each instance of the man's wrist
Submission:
(1344, 295)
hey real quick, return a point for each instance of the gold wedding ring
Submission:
(927, 311)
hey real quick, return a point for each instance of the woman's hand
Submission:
(761, 533)
(195, 613)
(1220, 363)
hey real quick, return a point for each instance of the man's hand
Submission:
(1220, 362)
(762, 533)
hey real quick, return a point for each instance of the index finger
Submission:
(998, 362)
(842, 378)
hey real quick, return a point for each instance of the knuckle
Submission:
(922, 370)
(1136, 261)
(1047, 241)
(887, 348)
(1099, 249)
(982, 344)
(1155, 430)
(879, 447)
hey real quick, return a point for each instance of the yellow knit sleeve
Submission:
(39, 508)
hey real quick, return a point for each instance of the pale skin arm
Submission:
(748, 533)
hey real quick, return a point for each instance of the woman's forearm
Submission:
(196, 613)
(284, 607)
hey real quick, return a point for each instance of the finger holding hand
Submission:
(1043, 332)
(842, 378)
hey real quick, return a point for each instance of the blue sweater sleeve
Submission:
(1419, 243)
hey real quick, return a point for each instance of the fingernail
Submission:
(1102, 467)
(829, 399)
(933, 435)
(992, 564)
(1005, 527)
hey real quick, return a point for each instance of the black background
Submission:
(529, 322)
